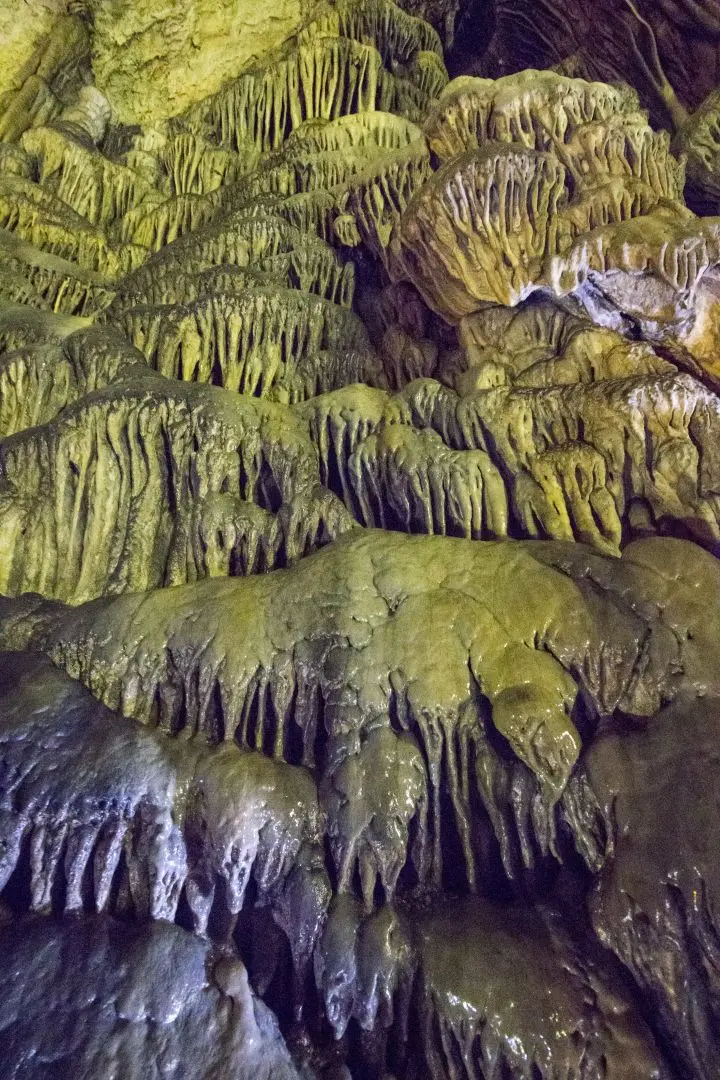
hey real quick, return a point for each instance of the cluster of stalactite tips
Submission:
(360, 614)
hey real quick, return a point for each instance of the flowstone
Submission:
(359, 513)
(134, 998)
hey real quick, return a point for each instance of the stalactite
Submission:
(97, 189)
(166, 448)
(337, 416)
(246, 342)
(322, 79)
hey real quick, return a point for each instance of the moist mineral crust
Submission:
(359, 535)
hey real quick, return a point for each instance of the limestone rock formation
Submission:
(469, 963)
(359, 521)
(354, 655)
(130, 998)
(152, 60)
(666, 49)
(550, 182)
(599, 461)
(169, 447)
(47, 53)
(144, 822)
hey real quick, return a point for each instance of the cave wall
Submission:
(24, 28)
(359, 523)
(154, 59)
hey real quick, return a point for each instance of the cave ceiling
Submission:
(359, 540)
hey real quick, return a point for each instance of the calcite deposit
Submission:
(359, 523)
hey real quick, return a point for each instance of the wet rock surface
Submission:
(129, 999)
(654, 903)
(359, 520)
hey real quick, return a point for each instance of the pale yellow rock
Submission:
(154, 58)
(23, 29)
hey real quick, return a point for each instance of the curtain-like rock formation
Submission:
(359, 510)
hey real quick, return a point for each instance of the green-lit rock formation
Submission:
(359, 521)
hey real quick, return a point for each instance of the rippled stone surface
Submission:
(358, 530)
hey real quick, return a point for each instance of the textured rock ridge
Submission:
(191, 670)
